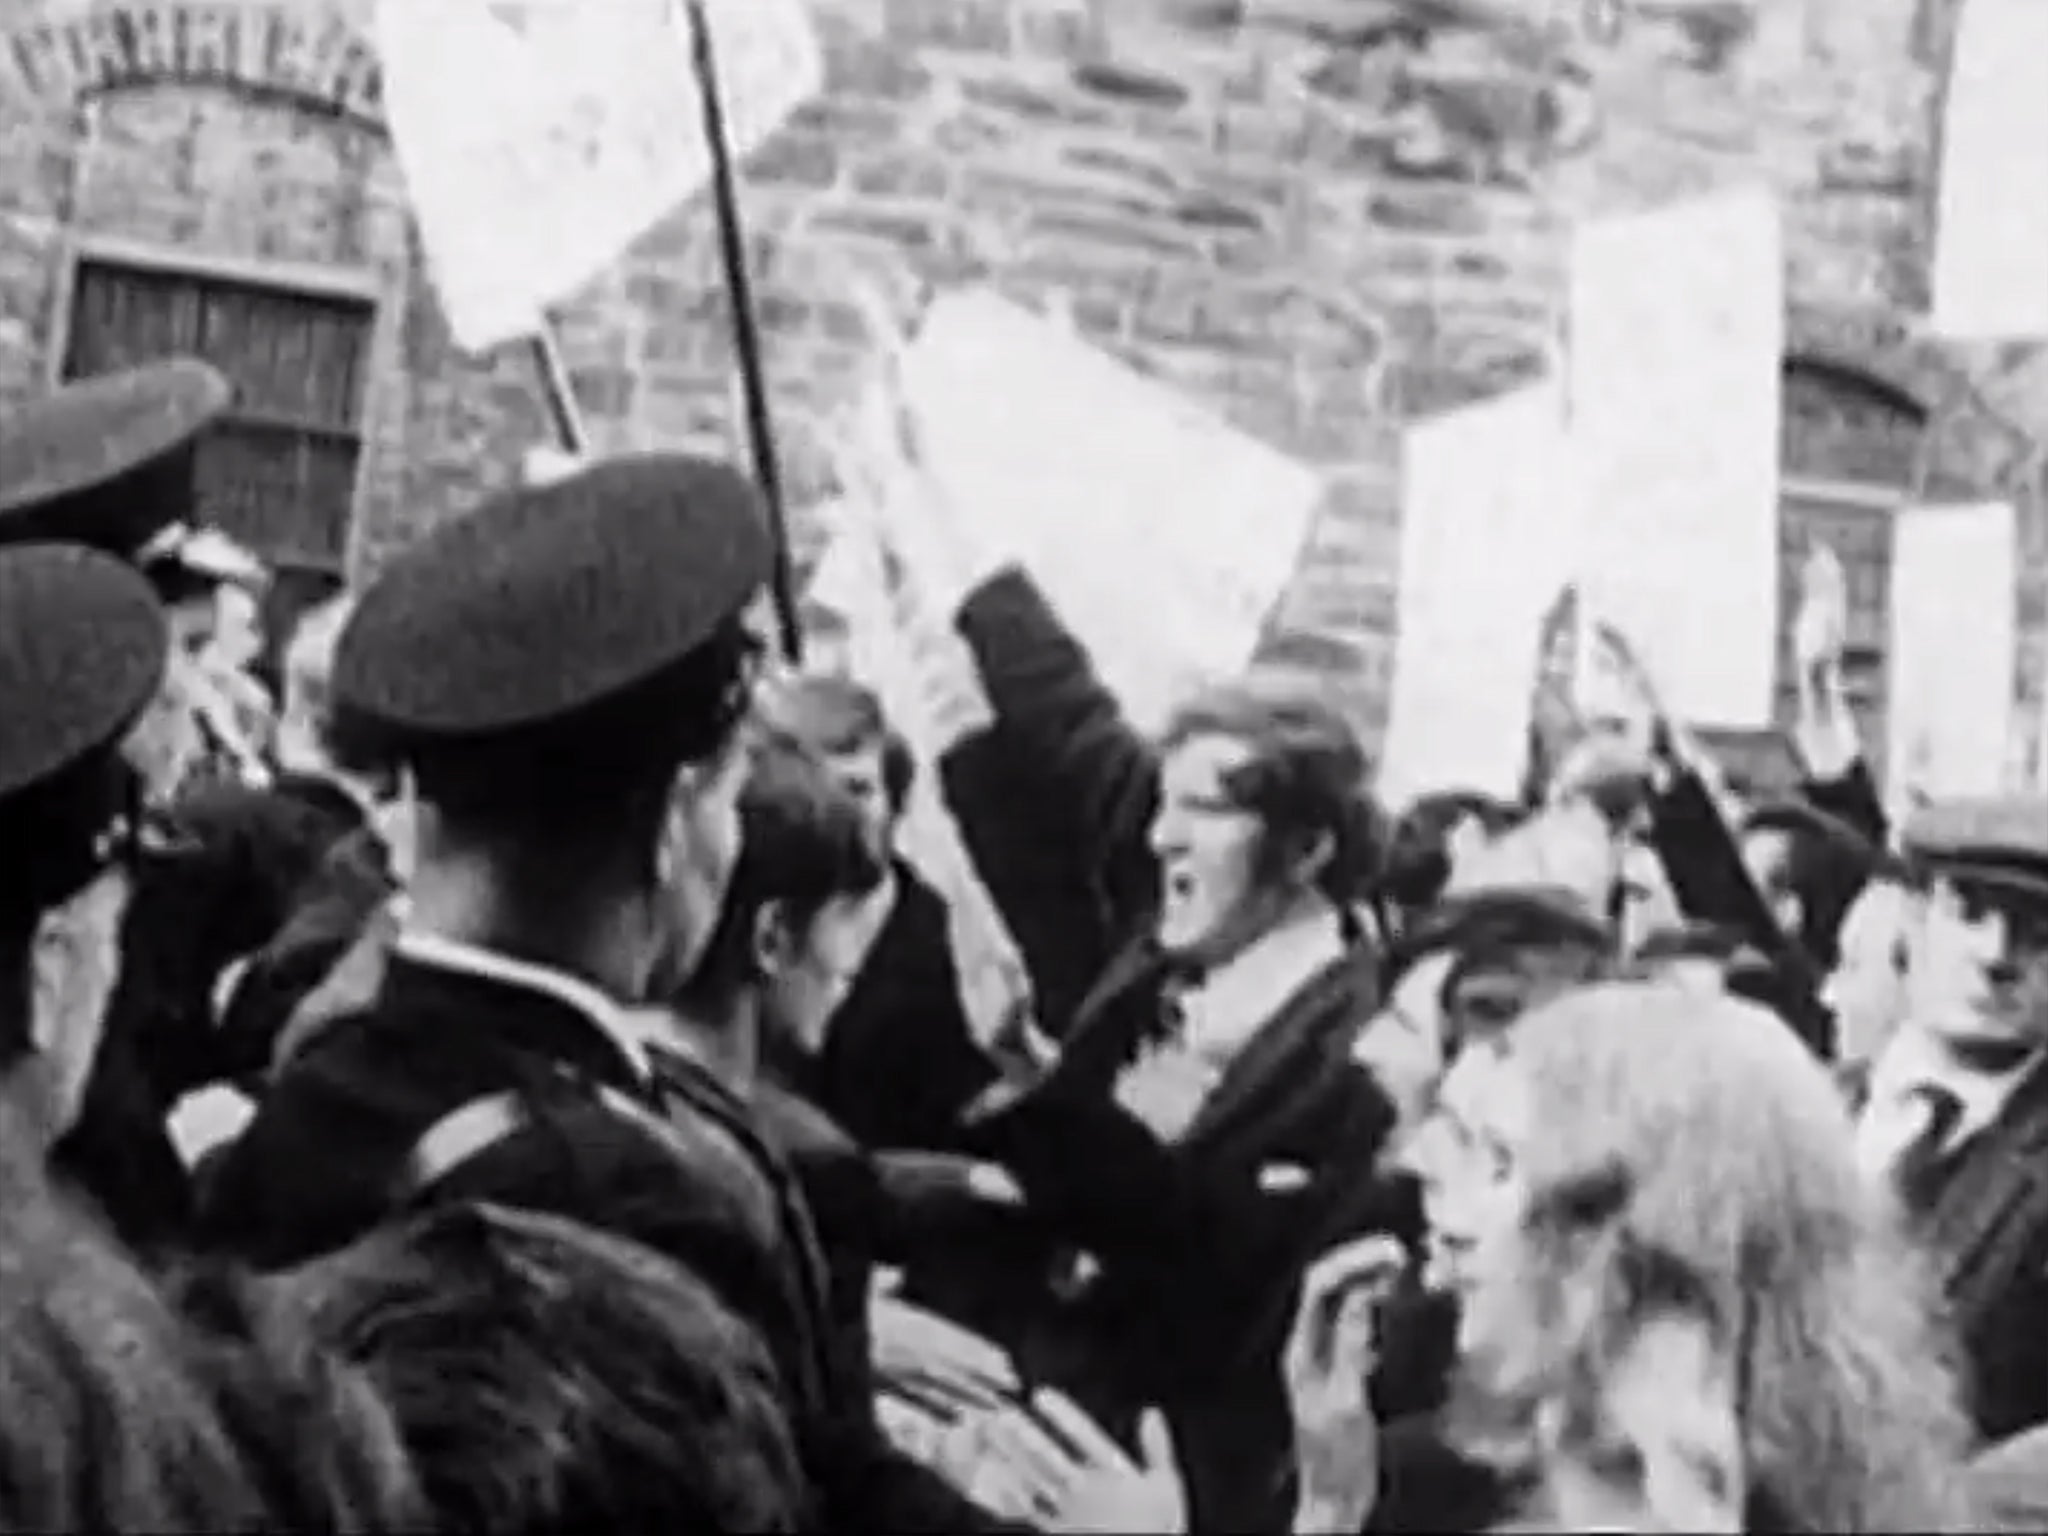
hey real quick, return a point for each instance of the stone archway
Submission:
(316, 56)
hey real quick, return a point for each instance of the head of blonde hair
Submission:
(1641, 1434)
(1686, 1152)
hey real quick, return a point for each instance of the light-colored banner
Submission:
(1954, 622)
(1991, 224)
(1161, 534)
(1487, 539)
(540, 138)
(1676, 335)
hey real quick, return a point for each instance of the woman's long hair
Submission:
(1684, 1135)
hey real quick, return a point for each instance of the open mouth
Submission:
(1449, 1253)
(1180, 885)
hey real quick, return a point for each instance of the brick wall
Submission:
(1320, 230)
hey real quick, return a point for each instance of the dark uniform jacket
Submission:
(409, 1100)
(1144, 1273)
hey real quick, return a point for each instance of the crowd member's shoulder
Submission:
(2009, 1482)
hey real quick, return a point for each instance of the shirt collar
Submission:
(1915, 1060)
(1237, 998)
(603, 1012)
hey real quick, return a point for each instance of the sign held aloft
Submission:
(1162, 535)
(1488, 534)
(1676, 345)
(1955, 615)
(566, 131)
(1991, 212)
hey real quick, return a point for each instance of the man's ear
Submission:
(774, 945)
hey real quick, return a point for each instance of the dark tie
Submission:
(1921, 1161)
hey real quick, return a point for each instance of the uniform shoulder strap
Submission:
(455, 1141)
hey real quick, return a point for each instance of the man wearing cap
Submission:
(1956, 1119)
(566, 672)
(111, 463)
(82, 650)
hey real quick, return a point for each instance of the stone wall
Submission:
(1323, 217)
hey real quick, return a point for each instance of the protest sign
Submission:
(1487, 537)
(1676, 336)
(1954, 621)
(1991, 216)
(1162, 535)
(540, 138)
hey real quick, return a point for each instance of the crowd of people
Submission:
(481, 1060)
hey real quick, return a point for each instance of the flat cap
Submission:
(108, 462)
(82, 650)
(544, 601)
(1999, 841)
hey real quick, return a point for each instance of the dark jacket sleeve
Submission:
(1025, 850)
(1070, 740)
(1712, 885)
(1104, 1181)
(876, 1487)
(1852, 800)
(901, 1061)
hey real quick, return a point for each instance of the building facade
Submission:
(1324, 219)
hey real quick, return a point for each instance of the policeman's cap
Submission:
(108, 462)
(545, 603)
(83, 645)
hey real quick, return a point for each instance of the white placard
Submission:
(1991, 224)
(1161, 534)
(1676, 340)
(1954, 622)
(540, 138)
(1487, 539)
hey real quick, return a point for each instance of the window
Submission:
(279, 474)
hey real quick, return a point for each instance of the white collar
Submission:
(1914, 1059)
(604, 1012)
(1239, 997)
(872, 912)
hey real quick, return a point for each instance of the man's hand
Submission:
(1825, 734)
(1079, 1479)
(546, 465)
(1821, 631)
(1330, 1358)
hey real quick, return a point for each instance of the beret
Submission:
(108, 461)
(82, 651)
(1997, 840)
(545, 600)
